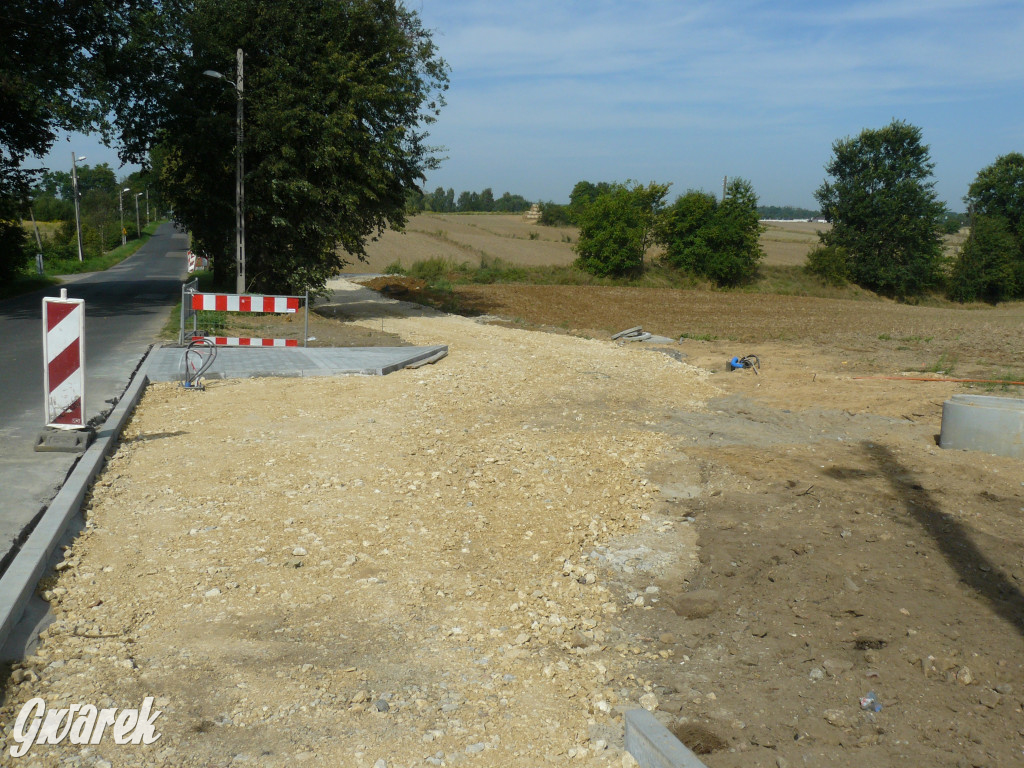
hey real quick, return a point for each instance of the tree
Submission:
(509, 203)
(583, 194)
(884, 211)
(684, 231)
(996, 243)
(468, 201)
(337, 97)
(986, 265)
(719, 241)
(59, 62)
(617, 228)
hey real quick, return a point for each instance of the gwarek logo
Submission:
(82, 725)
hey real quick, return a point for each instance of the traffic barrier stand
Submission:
(193, 303)
(64, 376)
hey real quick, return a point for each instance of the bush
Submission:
(829, 263)
(554, 215)
(431, 270)
(395, 268)
(617, 228)
(715, 240)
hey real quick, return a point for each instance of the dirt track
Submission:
(486, 561)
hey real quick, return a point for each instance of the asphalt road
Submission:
(125, 309)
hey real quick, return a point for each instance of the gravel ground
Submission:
(398, 571)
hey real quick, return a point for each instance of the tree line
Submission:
(444, 201)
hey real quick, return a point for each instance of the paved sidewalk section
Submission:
(167, 363)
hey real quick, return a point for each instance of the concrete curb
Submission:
(26, 569)
(652, 745)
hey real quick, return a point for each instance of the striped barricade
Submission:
(64, 361)
(233, 302)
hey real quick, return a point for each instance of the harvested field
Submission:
(470, 237)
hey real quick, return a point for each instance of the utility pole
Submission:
(239, 86)
(725, 179)
(39, 242)
(240, 176)
(74, 191)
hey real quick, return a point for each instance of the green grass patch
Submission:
(944, 365)
(775, 279)
(698, 336)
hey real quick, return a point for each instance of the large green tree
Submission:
(338, 95)
(990, 266)
(881, 202)
(617, 227)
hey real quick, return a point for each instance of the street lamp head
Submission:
(213, 73)
(80, 159)
(127, 189)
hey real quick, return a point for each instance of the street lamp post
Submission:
(74, 191)
(138, 227)
(239, 170)
(120, 206)
(147, 206)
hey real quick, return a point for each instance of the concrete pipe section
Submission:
(984, 423)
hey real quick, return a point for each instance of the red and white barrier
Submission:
(233, 302)
(246, 341)
(197, 262)
(64, 361)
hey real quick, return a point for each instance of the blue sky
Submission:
(544, 94)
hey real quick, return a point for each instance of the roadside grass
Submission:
(28, 281)
(73, 266)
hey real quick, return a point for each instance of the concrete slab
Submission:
(64, 441)
(166, 363)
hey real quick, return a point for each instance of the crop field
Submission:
(509, 237)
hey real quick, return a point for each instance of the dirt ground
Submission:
(486, 561)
